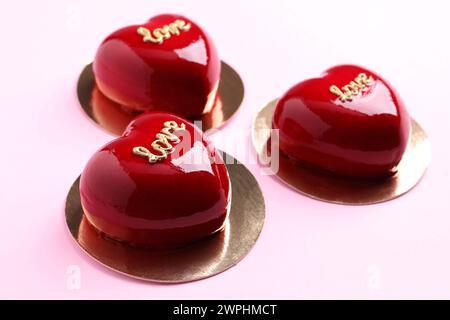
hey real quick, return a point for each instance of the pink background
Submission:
(308, 249)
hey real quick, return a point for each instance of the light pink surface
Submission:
(308, 249)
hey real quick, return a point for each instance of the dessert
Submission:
(349, 121)
(166, 64)
(109, 114)
(161, 184)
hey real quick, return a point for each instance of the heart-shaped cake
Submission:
(160, 185)
(166, 64)
(349, 121)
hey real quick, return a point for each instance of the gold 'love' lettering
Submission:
(158, 35)
(162, 144)
(347, 92)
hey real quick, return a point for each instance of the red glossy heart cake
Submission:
(166, 64)
(161, 185)
(348, 121)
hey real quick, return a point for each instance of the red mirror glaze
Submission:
(165, 204)
(365, 136)
(180, 74)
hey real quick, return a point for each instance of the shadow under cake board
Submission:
(113, 118)
(200, 260)
(341, 190)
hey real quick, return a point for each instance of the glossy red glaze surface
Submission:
(365, 137)
(165, 204)
(115, 118)
(179, 75)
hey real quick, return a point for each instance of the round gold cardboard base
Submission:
(114, 119)
(198, 261)
(341, 190)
